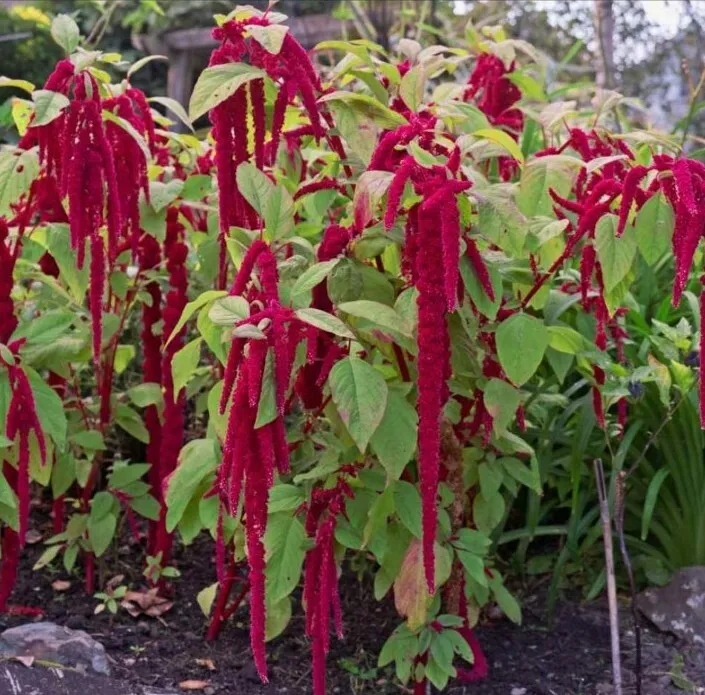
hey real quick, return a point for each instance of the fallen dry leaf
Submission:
(61, 585)
(206, 663)
(149, 603)
(26, 660)
(33, 536)
(113, 583)
(193, 685)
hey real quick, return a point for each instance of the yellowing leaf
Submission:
(503, 140)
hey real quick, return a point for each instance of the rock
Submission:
(679, 607)
(50, 642)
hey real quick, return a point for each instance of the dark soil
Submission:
(570, 657)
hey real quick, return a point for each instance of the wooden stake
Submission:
(609, 571)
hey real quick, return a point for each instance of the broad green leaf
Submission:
(101, 533)
(526, 475)
(101, 505)
(285, 498)
(175, 107)
(50, 408)
(381, 509)
(616, 255)
(369, 191)
(383, 317)
(653, 228)
(412, 87)
(17, 171)
(273, 203)
(196, 460)
(206, 597)
(184, 363)
(368, 107)
(325, 321)
(227, 311)
(124, 475)
(501, 400)
(503, 140)
(217, 83)
(267, 406)
(91, 440)
(488, 513)
(484, 304)
(163, 194)
(568, 340)
(278, 616)
(192, 307)
(285, 543)
(360, 394)
(7, 496)
(270, 37)
(507, 603)
(521, 343)
(196, 187)
(65, 32)
(537, 179)
(48, 105)
(58, 244)
(146, 394)
(394, 440)
(312, 276)
(407, 503)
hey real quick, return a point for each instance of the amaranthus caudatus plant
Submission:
(321, 330)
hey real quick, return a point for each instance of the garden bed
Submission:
(569, 656)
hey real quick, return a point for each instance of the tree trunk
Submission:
(604, 32)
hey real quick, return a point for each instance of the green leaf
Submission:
(503, 140)
(311, 277)
(394, 440)
(196, 460)
(101, 533)
(7, 496)
(285, 543)
(267, 407)
(272, 202)
(175, 107)
(131, 131)
(285, 498)
(196, 187)
(383, 317)
(149, 393)
(101, 505)
(50, 408)
(16, 84)
(217, 83)
(368, 107)
(146, 506)
(479, 297)
(277, 618)
(163, 194)
(206, 597)
(122, 476)
(412, 87)
(192, 307)
(488, 513)
(65, 32)
(407, 503)
(651, 499)
(521, 343)
(139, 64)
(270, 37)
(537, 179)
(567, 340)
(58, 244)
(89, 439)
(616, 255)
(526, 475)
(63, 474)
(48, 105)
(382, 508)
(229, 310)
(47, 557)
(501, 400)
(654, 228)
(184, 363)
(359, 392)
(507, 603)
(325, 321)
(17, 171)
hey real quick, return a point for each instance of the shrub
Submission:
(391, 274)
